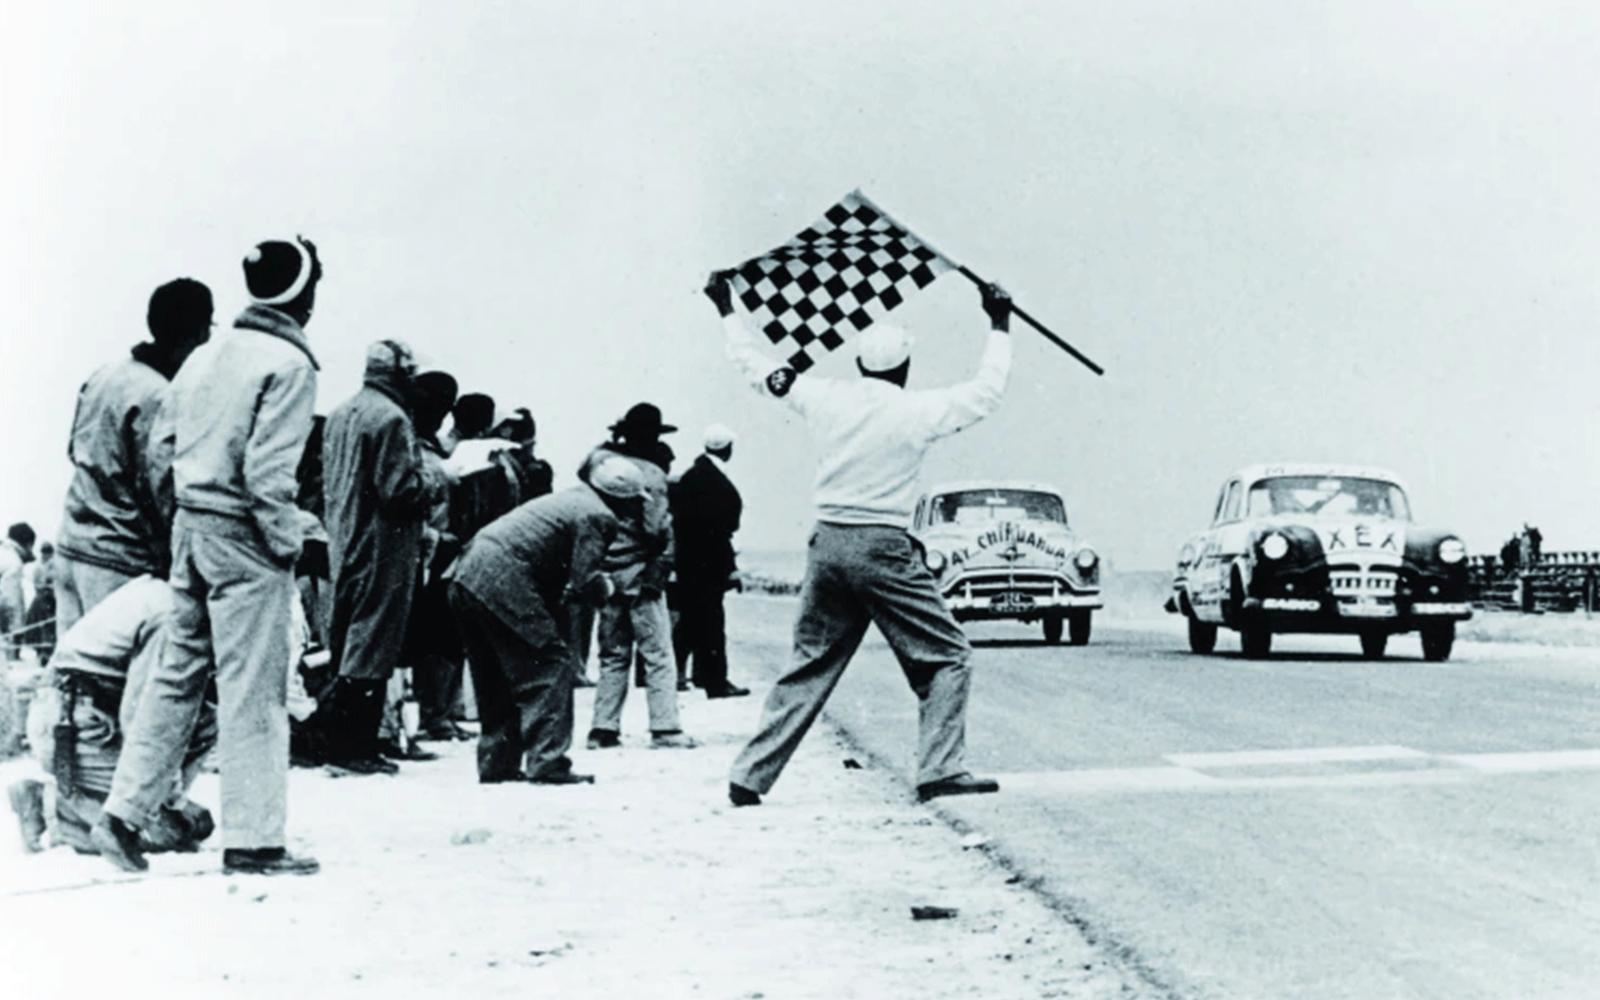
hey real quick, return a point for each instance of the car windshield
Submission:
(976, 506)
(1329, 496)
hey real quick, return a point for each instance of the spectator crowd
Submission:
(239, 582)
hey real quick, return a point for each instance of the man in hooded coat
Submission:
(377, 494)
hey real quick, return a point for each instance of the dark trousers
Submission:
(524, 693)
(436, 680)
(701, 633)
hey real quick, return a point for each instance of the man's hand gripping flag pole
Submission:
(843, 273)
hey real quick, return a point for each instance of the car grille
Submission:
(981, 585)
(1364, 584)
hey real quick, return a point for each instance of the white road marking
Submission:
(1309, 755)
(1124, 779)
(1182, 774)
(1518, 763)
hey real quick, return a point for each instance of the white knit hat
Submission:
(883, 346)
(718, 436)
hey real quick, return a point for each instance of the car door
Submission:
(1217, 549)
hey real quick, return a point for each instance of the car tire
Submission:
(1202, 636)
(1255, 640)
(1437, 641)
(1052, 629)
(1373, 644)
(1078, 625)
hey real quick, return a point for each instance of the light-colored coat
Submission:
(242, 407)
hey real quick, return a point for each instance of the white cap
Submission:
(883, 346)
(617, 477)
(718, 436)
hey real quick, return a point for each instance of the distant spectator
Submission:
(433, 643)
(41, 616)
(639, 560)
(472, 418)
(486, 484)
(119, 507)
(705, 514)
(534, 476)
(16, 552)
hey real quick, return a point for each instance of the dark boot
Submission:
(355, 713)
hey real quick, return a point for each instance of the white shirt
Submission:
(871, 435)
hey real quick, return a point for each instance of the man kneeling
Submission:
(101, 666)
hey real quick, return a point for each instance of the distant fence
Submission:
(1555, 581)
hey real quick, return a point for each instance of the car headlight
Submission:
(1452, 551)
(1274, 546)
(1086, 559)
(935, 560)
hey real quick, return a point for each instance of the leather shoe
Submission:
(742, 796)
(957, 784)
(409, 751)
(561, 778)
(118, 843)
(727, 691)
(344, 767)
(515, 777)
(603, 739)
(673, 741)
(266, 861)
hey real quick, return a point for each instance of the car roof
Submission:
(1257, 472)
(958, 485)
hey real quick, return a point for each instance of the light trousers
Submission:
(230, 619)
(860, 575)
(642, 623)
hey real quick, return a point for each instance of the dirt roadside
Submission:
(646, 884)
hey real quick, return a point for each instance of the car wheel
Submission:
(1373, 644)
(1052, 629)
(1078, 623)
(1202, 636)
(1437, 641)
(1255, 640)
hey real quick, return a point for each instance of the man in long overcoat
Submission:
(377, 494)
(705, 514)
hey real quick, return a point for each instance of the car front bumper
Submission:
(1286, 614)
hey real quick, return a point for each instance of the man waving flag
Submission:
(835, 279)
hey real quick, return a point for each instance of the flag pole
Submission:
(982, 283)
(1036, 324)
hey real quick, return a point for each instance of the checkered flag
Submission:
(835, 278)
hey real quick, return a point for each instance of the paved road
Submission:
(1311, 826)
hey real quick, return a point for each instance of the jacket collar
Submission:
(267, 320)
(388, 384)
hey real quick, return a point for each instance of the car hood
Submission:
(1014, 544)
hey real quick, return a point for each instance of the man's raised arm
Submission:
(968, 402)
(768, 377)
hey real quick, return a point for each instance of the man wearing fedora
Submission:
(862, 567)
(639, 560)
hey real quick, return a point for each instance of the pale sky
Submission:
(1290, 230)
